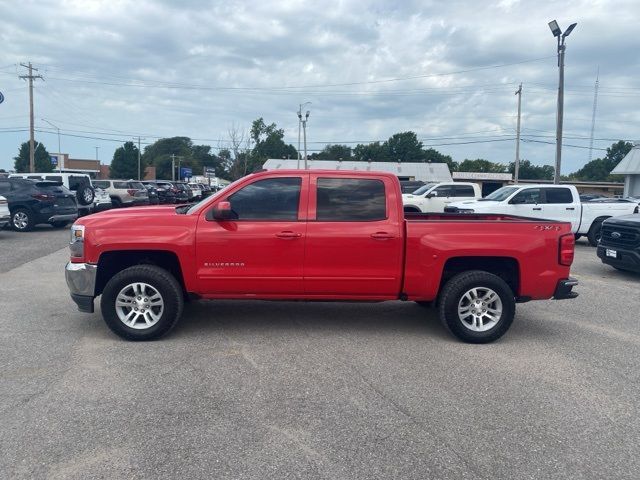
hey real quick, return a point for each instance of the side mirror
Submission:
(431, 194)
(222, 211)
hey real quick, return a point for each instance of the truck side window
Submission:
(558, 195)
(350, 200)
(445, 191)
(269, 199)
(530, 195)
(463, 191)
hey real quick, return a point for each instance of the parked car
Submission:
(206, 189)
(79, 183)
(620, 243)
(32, 202)
(315, 235)
(173, 193)
(5, 216)
(196, 191)
(152, 191)
(553, 202)
(186, 190)
(124, 193)
(102, 200)
(434, 197)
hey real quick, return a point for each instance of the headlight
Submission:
(76, 245)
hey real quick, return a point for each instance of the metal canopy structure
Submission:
(426, 172)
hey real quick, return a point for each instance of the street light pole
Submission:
(304, 130)
(555, 29)
(59, 149)
(302, 123)
(516, 169)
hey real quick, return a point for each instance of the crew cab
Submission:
(620, 243)
(315, 235)
(434, 197)
(553, 202)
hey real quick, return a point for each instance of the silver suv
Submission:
(124, 193)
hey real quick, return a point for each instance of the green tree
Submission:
(529, 171)
(41, 158)
(371, 151)
(434, 156)
(125, 162)
(158, 154)
(599, 170)
(404, 147)
(333, 152)
(481, 165)
(268, 143)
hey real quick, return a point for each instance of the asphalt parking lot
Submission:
(315, 390)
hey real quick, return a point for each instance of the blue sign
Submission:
(54, 160)
(185, 172)
(1, 97)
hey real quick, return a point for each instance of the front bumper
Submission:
(81, 280)
(625, 259)
(564, 289)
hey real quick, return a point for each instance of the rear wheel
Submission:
(142, 302)
(595, 232)
(22, 220)
(115, 201)
(477, 306)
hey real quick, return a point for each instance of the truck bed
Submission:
(471, 217)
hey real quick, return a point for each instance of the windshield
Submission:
(424, 188)
(500, 194)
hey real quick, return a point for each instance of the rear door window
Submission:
(444, 191)
(101, 184)
(350, 200)
(120, 185)
(558, 195)
(463, 191)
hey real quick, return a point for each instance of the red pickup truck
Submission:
(315, 235)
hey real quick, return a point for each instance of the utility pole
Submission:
(593, 114)
(31, 77)
(517, 163)
(304, 130)
(302, 123)
(299, 127)
(97, 154)
(173, 167)
(139, 174)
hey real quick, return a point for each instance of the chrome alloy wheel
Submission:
(20, 220)
(139, 306)
(87, 195)
(480, 309)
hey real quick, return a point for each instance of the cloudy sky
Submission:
(117, 69)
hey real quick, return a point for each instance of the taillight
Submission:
(132, 192)
(567, 245)
(44, 197)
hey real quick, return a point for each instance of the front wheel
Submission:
(22, 220)
(142, 302)
(595, 232)
(477, 306)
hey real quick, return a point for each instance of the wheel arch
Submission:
(112, 262)
(506, 268)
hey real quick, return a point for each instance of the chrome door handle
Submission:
(288, 235)
(382, 236)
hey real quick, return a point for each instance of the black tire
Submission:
(577, 236)
(158, 278)
(454, 291)
(59, 224)
(85, 195)
(115, 201)
(594, 233)
(22, 220)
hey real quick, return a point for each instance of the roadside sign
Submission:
(185, 172)
(1, 97)
(54, 160)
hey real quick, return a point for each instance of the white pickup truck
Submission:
(549, 202)
(434, 197)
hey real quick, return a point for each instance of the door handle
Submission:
(288, 235)
(537, 208)
(382, 236)
(570, 208)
